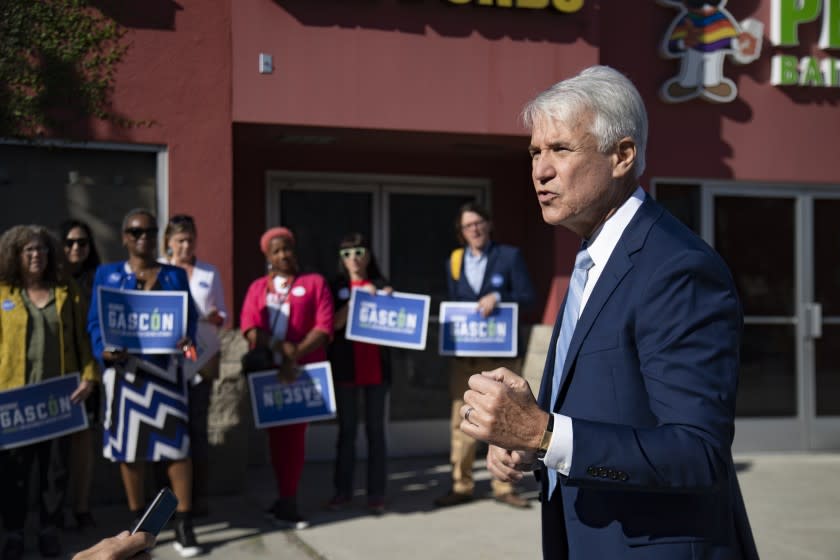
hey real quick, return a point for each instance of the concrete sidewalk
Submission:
(793, 501)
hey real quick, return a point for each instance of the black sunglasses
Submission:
(137, 232)
(353, 251)
(181, 219)
(82, 242)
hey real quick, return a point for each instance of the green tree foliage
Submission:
(58, 60)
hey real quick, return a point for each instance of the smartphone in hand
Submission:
(158, 513)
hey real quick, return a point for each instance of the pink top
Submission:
(310, 307)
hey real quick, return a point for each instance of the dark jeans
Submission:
(15, 471)
(375, 397)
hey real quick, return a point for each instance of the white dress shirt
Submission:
(600, 246)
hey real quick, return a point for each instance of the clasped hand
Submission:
(503, 412)
(288, 370)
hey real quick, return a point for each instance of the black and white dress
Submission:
(146, 415)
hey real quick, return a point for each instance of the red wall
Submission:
(177, 73)
(428, 66)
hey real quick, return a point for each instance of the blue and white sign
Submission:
(464, 332)
(309, 398)
(142, 322)
(40, 411)
(398, 319)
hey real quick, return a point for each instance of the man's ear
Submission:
(624, 157)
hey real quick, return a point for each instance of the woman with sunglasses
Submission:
(358, 369)
(292, 314)
(42, 336)
(179, 242)
(155, 426)
(80, 253)
(82, 259)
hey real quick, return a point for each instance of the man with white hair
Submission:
(633, 427)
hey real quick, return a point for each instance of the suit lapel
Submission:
(617, 267)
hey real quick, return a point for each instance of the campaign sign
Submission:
(142, 322)
(40, 411)
(399, 319)
(464, 332)
(309, 398)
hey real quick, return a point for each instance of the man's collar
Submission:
(482, 252)
(601, 244)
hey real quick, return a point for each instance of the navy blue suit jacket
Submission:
(650, 383)
(506, 273)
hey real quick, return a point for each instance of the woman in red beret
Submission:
(292, 314)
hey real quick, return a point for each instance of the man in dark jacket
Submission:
(488, 273)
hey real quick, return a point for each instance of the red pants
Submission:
(287, 445)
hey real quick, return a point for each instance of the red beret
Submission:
(278, 231)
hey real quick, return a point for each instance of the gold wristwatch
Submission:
(546, 438)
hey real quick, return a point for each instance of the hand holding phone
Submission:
(158, 513)
(121, 547)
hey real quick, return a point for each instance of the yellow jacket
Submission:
(73, 339)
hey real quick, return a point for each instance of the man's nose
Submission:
(542, 170)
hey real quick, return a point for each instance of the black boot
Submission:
(284, 513)
(185, 542)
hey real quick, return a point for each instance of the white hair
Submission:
(613, 100)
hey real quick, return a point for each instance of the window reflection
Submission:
(755, 236)
(767, 381)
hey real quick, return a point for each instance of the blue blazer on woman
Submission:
(119, 275)
(649, 382)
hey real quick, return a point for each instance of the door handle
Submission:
(813, 320)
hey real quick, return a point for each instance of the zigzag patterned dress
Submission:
(146, 399)
(146, 416)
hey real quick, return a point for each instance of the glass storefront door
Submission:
(782, 244)
(825, 428)
(783, 247)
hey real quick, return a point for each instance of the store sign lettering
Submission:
(791, 70)
(567, 6)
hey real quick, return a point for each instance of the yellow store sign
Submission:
(567, 6)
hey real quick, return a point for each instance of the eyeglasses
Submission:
(137, 232)
(82, 242)
(178, 219)
(37, 249)
(477, 224)
(352, 252)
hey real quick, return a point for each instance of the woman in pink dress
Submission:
(292, 314)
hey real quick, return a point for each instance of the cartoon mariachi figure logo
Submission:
(701, 36)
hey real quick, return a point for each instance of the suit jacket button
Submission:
(602, 472)
(591, 471)
(623, 476)
(613, 474)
